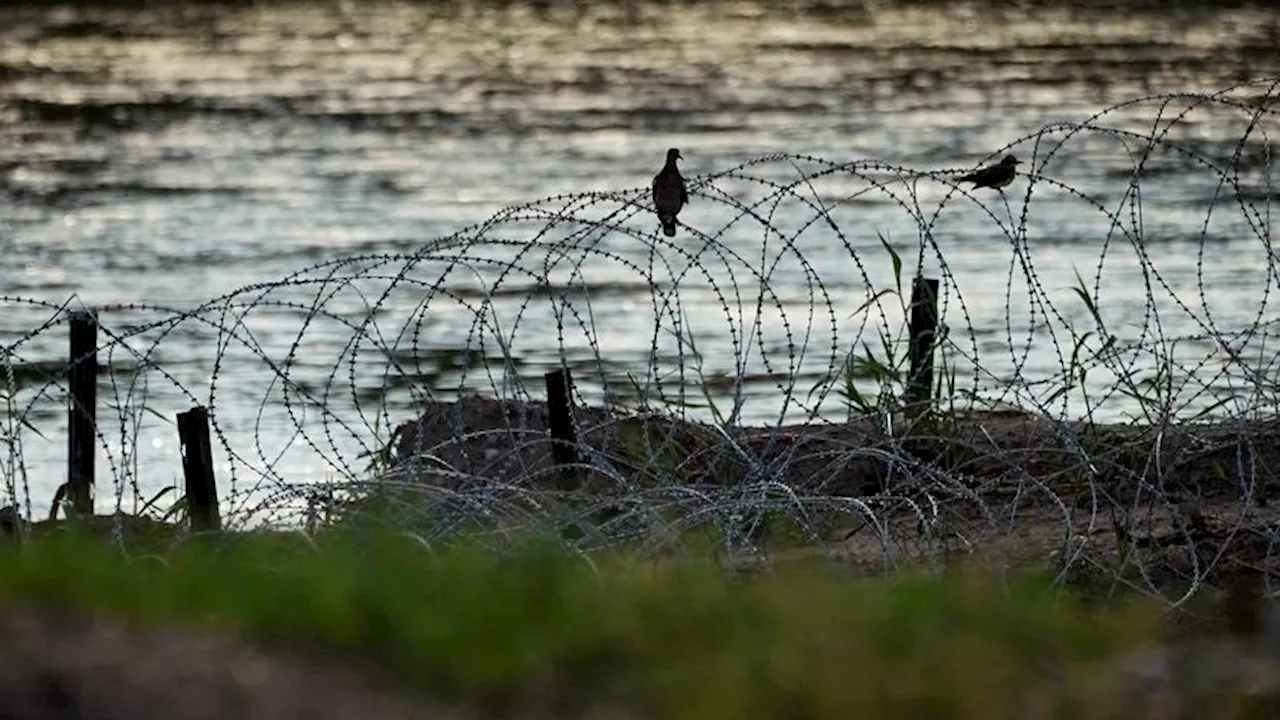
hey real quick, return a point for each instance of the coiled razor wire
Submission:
(741, 382)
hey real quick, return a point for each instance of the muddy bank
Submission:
(479, 439)
(1173, 506)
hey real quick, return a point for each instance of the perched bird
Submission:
(994, 176)
(669, 194)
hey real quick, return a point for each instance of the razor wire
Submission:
(1121, 395)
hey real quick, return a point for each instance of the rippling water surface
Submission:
(165, 157)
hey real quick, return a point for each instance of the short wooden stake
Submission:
(564, 440)
(923, 328)
(197, 467)
(82, 410)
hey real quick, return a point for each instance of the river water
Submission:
(153, 161)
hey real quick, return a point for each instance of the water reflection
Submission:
(166, 156)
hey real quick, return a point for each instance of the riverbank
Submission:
(1174, 504)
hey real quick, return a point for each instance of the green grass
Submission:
(543, 634)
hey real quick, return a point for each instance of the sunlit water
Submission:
(168, 157)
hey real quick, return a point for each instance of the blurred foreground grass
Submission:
(542, 633)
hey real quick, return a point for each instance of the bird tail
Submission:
(668, 226)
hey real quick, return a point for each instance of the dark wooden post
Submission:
(82, 410)
(923, 327)
(564, 441)
(197, 467)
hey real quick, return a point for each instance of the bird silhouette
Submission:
(669, 194)
(995, 176)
